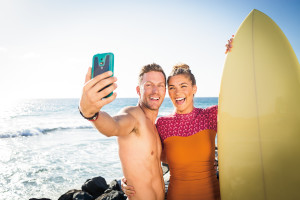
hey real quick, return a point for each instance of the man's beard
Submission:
(148, 106)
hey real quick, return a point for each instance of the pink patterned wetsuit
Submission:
(189, 144)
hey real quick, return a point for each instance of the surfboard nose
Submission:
(258, 128)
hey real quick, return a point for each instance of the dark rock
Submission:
(68, 195)
(82, 196)
(165, 168)
(115, 185)
(95, 186)
(39, 199)
(112, 195)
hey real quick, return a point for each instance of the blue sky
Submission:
(46, 46)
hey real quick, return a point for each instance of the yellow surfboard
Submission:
(259, 115)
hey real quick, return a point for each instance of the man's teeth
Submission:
(179, 99)
(154, 98)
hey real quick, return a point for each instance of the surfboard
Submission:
(259, 114)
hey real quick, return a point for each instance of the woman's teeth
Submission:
(180, 100)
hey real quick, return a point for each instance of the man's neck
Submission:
(150, 114)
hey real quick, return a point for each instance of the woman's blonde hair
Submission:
(183, 69)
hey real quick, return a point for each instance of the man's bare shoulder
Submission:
(132, 117)
(134, 111)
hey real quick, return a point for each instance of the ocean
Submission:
(47, 148)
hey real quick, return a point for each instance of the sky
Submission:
(47, 46)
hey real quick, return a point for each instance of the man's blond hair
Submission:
(150, 68)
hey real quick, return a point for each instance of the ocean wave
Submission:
(38, 131)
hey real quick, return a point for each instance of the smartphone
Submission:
(102, 63)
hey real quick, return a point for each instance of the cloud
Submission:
(31, 55)
(3, 50)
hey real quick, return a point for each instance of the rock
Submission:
(166, 180)
(82, 196)
(165, 168)
(95, 186)
(39, 199)
(68, 195)
(115, 185)
(112, 195)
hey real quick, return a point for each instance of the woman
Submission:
(188, 138)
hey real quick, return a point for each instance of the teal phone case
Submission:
(102, 63)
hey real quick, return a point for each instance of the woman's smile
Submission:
(181, 92)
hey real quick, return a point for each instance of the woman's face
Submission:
(181, 92)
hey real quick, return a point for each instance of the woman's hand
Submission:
(229, 45)
(127, 189)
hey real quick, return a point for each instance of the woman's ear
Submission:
(194, 89)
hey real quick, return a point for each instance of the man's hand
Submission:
(92, 98)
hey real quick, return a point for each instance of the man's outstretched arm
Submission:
(92, 101)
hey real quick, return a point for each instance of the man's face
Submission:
(152, 90)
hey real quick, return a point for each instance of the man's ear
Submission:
(194, 89)
(138, 90)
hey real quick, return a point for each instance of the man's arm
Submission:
(92, 101)
(119, 125)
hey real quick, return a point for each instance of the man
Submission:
(139, 142)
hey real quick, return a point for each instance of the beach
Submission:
(47, 148)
